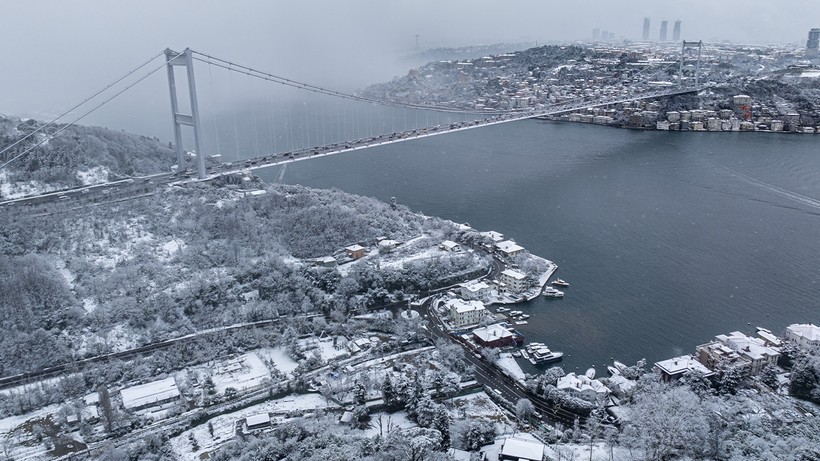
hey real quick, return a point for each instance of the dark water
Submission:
(667, 238)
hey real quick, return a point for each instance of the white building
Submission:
(514, 280)
(737, 349)
(449, 245)
(464, 313)
(509, 248)
(494, 236)
(521, 450)
(153, 394)
(805, 335)
(676, 367)
(474, 290)
(583, 387)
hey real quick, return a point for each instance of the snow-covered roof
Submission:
(508, 246)
(492, 332)
(522, 449)
(514, 274)
(462, 306)
(256, 420)
(475, 286)
(146, 394)
(805, 330)
(354, 248)
(682, 364)
(495, 236)
(581, 383)
(753, 348)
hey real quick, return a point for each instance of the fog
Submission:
(56, 53)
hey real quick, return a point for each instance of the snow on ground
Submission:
(389, 422)
(428, 253)
(12, 422)
(96, 175)
(279, 357)
(479, 405)
(10, 189)
(245, 372)
(325, 347)
(167, 250)
(224, 426)
(508, 364)
(120, 338)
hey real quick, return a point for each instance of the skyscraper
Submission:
(676, 31)
(646, 28)
(663, 30)
(596, 34)
(813, 42)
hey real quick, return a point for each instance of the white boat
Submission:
(525, 354)
(550, 292)
(524, 316)
(521, 322)
(612, 371)
(515, 313)
(620, 366)
(590, 373)
(542, 354)
(560, 283)
(501, 310)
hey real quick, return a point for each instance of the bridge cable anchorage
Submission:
(75, 107)
(228, 65)
(70, 124)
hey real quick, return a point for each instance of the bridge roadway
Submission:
(128, 187)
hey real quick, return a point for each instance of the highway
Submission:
(116, 190)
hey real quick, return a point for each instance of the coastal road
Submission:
(488, 375)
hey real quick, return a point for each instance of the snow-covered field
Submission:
(224, 426)
(508, 364)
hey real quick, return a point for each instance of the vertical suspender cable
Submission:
(213, 104)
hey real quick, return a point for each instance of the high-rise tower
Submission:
(646, 29)
(676, 31)
(663, 30)
(813, 42)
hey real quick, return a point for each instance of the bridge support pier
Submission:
(185, 59)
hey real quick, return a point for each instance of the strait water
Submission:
(667, 238)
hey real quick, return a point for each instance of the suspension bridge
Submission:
(333, 130)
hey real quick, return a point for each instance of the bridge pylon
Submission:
(185, 59)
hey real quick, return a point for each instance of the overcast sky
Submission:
(57, 52)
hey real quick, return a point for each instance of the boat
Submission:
(560, 283)
(612, 371)
(590, 373)
(501, 310)
(542, 354)
(521, 322)
(524, 316)
(525, 354)
(550, 292)
(515, 313)
(620, 366)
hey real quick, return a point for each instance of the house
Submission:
(387, 244)
(354, 251)
(737, 349)
(154, 394)
(509, 248)
(464, 313)
(583, 387)
(323, 261)
(257, 422)
(496, 335)
(806, 335)
(514, 281)
(516, 449)
(474, 290)
(449, 245)
(754, 350)
(494, 236)
(676, 367)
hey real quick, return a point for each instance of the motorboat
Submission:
(501, 310)
(524, 316)
(612, 370)
(550, 292)
(560, 283)
(620, 366)
(515, 313)
(590, 373)
(542, 354)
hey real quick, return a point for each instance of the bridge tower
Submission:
(185, 59)
(686, 61)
